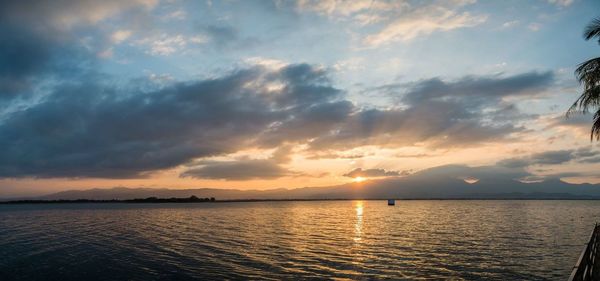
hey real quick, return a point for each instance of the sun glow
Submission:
(359, 179)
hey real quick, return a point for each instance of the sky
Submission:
(270, 94)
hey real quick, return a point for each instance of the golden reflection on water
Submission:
(358, 205)
(340, 240)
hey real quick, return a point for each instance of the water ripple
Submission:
(342, 240)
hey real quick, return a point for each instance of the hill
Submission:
(445, 182)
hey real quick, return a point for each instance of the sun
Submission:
(359, 179)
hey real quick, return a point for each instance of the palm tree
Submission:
(588, 74)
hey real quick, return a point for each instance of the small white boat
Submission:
(391, 202)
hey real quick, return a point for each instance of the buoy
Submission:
(391, 202)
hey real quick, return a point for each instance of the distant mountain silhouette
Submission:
(444, 182)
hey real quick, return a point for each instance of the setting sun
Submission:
(359, 179)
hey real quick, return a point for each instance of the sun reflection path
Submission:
(358, 205)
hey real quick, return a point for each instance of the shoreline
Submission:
(186, 200)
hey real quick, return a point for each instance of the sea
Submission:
(296, 240)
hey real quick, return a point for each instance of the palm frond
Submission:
(588, 73)
(592, 30)
(589, 99)
(596, 126)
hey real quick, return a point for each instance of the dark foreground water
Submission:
(504, 240)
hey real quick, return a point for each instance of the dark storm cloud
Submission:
(474, 90)
(23, 55)
(26, 53)
(244, 168)
(310, 122)
(438, 123)
(64, 14)
(94, 130)
(444, 114)
(238, 170)
(467, 97)
(480, 90)
(87, 128)
(374, 173)
(475, 94)
(37, 44)
(586, 155)
(582, 155)
(28, 59)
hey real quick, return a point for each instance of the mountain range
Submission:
(444, 182)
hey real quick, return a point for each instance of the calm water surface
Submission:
(503, 240)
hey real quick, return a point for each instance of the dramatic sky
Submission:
(265, 94)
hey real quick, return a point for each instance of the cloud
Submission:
(534, 26)
(28, 56)
(514, 163)
(577, 123)
(244, 168)
(395, 21)
(595, 159)
(510, 24)
(476, 90)
(493, 173)
(552, 157)
(39, 45)
(221, 34)
(175, 15)
(374, 173)
(65, 14)
(238, 170)
(333, 155)
(120, 36)
(423, 22)
(23, 55)
(581, 155)
(465, 112)
(86, 124)
(167, 44)
(497, 176)
(225, 36)
(361, 11)
(436, 125)
(561, 3)
(94, 129)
